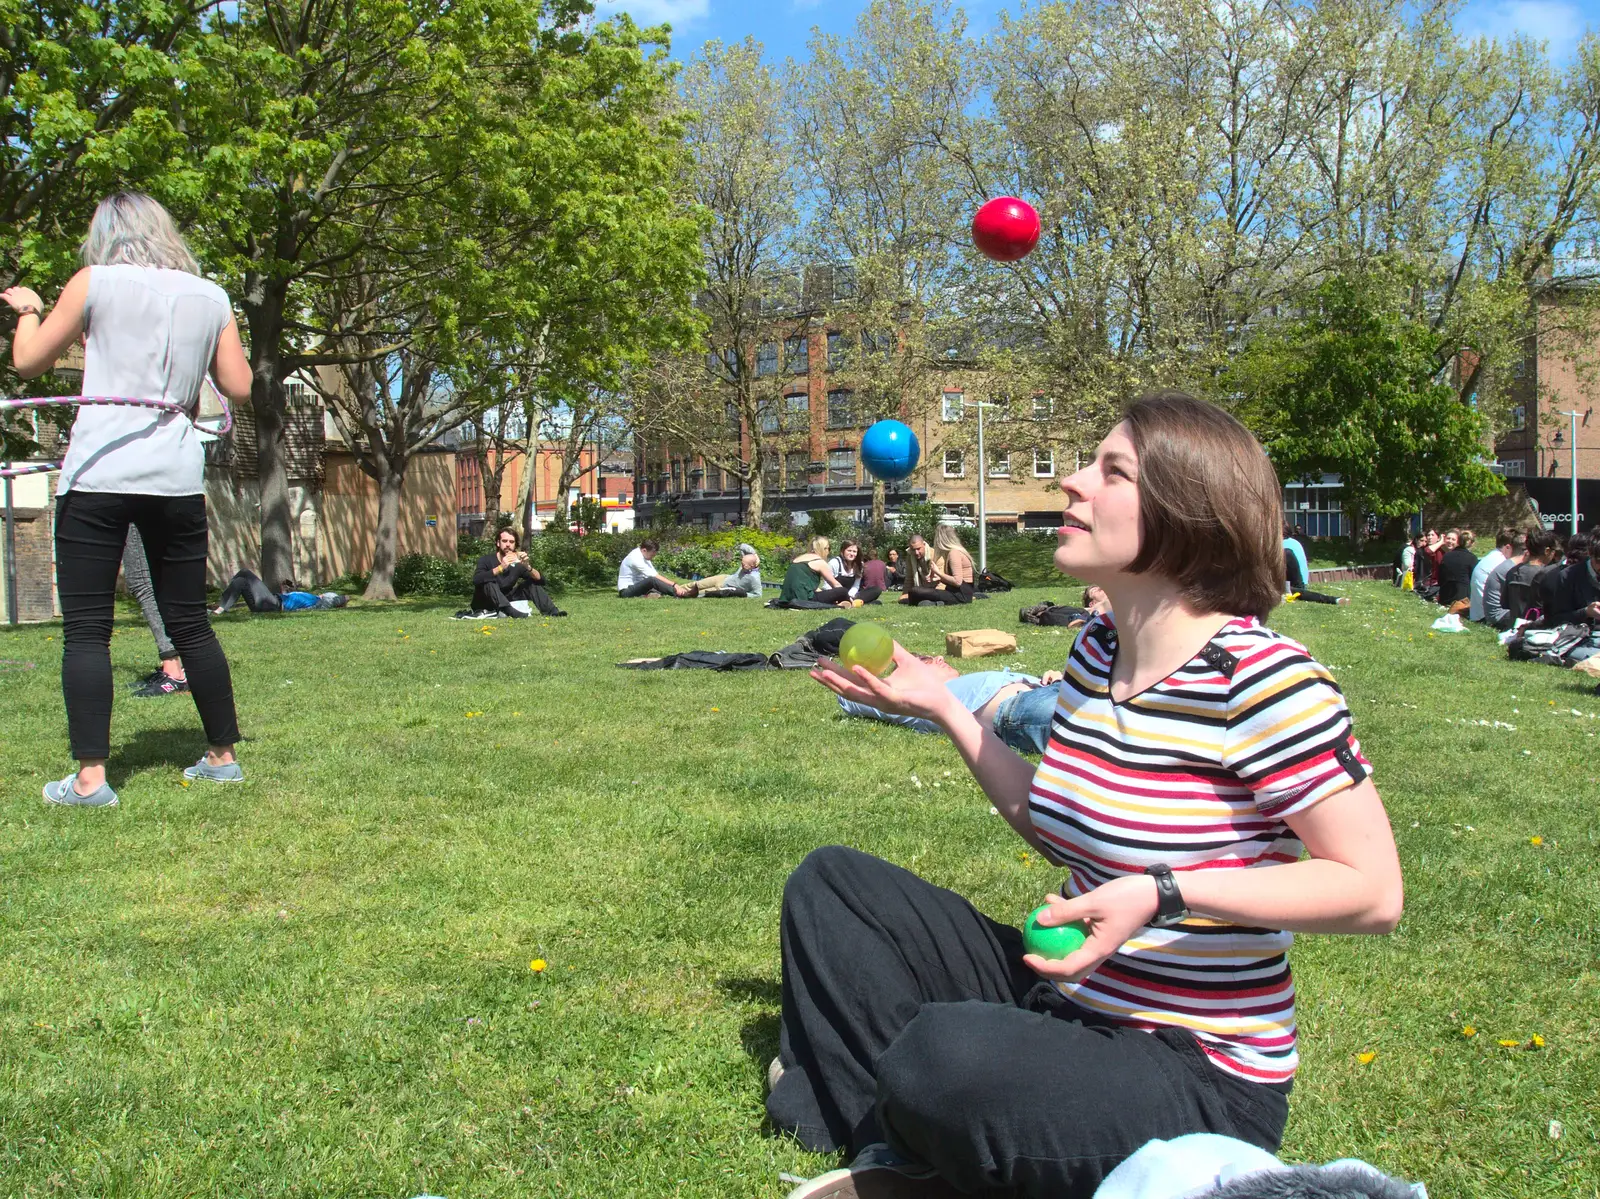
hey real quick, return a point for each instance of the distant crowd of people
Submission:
(1533, 578)
(927, 573)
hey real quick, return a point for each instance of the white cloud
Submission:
(676, 13)
(1554, 22)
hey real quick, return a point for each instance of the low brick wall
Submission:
(1342, 574)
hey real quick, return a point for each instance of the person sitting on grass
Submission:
(504, 577)
(743, 583)
(852, 588)
(1295, 572)
(874, 576)
(1195, 756)
(1455, 571)
(805, 573)
(895, 568)
(1528, 589)
(258, 597)
(1495, 612)
(638, 576)
(1486, 566)
(1577, 548)
(1429, 553)
(1405, 560)
(1016, 706)
(1575, 591)
(945, 576)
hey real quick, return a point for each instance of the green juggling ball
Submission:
(1055, 942)
(867, 645)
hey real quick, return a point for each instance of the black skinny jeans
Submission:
(645, 586)
(91, 530)
(257, 596)
(909, 1017)
(834, 595)
(960, 595)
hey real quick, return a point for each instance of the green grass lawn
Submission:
(318, 983)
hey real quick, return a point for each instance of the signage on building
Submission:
(1553, 498)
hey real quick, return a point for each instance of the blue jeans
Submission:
(1023, 721)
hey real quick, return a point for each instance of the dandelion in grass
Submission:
(1536, 1042)
(538, 965)
(1505, 1044)
(1468, 1031)
(1366, 1058)
(1535, 840)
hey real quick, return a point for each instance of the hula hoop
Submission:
(10, 471)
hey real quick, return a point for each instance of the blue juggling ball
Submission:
(889, 450)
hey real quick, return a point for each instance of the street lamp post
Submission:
(1573, 418)
(983, 472)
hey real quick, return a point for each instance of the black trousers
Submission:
(908, 1017)
(1317, 597)
(834, 595)
(257, 596)
(645, 586)
(91, 530)
(961, 595)
(515, 584)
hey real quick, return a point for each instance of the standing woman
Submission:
(1206, 795)
(155, 327)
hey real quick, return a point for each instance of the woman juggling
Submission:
(154, 329)
(1206, 795)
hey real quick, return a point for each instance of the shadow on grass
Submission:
(759, 1034)
(177, 747)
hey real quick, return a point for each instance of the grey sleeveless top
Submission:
(152, 335)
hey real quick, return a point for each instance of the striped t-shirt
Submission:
(1199, 772)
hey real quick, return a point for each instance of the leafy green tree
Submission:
(1353, 387)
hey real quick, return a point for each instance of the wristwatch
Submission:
(1170, 908)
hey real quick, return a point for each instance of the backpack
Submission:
(989, 581)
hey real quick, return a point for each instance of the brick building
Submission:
(606, 478)
(812, 424)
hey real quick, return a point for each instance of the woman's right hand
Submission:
(21, 298)
(914, 689)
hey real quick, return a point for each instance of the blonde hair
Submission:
(130, 228)
(945, 539)
(820, 546)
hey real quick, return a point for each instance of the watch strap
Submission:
(1170, 907)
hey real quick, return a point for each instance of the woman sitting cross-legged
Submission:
(1206, 795)
(801, 582)
(849, 569)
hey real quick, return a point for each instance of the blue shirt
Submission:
(972, 691)
(1297, 551)
(293, 601)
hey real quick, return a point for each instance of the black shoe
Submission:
(559, 612)
(160, 684)
(513, 614)
(155, 676)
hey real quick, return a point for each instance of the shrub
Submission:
(425, 574)
(694, 561)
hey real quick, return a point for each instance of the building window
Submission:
(677, 475)
(723, 363)
(766, 359)
(841, 409)
(955, 465)
(296, 394)
(838, 351)
(795, 469)
(844, 282)
(954, 405)
(771, 469)
(797, 413)
(771, 416)
(841, 468)
(1519, 417)
(731, 412)
(796, 358)
(1000, 466)
(879, 342)
(1043, 407)
(713, 477)
(1044, 463)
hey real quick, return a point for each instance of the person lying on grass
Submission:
(1195, 755)
(1016, 706)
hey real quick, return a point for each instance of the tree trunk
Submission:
(753, 510)
(264, 306)
(879, 504)
(386, 540)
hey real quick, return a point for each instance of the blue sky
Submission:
(784, 25)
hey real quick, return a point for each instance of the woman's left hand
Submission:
(22, 297)
(1113, 913)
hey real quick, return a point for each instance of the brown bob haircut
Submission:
(1210, 509)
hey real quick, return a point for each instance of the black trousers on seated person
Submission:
(515, 584)
(834, 595)
(1316, 597)
(645, 586)
(909, 1017)
(961, 595)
